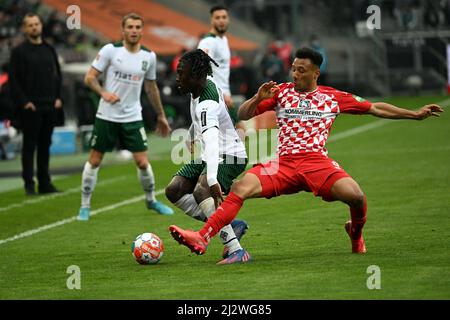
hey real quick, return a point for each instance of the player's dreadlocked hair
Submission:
(200, 63)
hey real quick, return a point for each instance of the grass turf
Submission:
(299, 247)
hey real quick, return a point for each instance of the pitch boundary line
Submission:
(55, 195)
(74, 218)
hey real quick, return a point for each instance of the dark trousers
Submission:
(37, 129)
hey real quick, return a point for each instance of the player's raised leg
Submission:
(233, 251)
(88, 181)
(147, 179)
(248, 187)
(349, 192)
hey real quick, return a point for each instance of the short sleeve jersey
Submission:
(124, 75)
(305, 118)
(217, 48)
(208, 111)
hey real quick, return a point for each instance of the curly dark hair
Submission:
(308, 53)
(200, 63)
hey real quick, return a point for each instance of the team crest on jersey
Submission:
(304, 104)
(144, 65)
(321, 98)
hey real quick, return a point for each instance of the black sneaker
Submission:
(48, 189)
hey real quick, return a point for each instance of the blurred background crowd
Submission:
(408, 53)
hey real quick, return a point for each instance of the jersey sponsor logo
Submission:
(127, 76)
(293, 113)
(203, 118)
(144, 65)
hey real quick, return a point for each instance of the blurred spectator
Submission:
(175, 60)
(283, 50)
(272, 67)
(86, 101)
(315, 44)
(6, 105)
(7, 25)
(434, 15)
(406, 13)
(359, 8)
(72, 46)
(236, 61)
(446, 9)
(241, 77)
(6, 112)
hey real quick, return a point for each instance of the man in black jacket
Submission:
(36, 91)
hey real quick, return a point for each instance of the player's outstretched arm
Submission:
(266, 91)
(388, 111)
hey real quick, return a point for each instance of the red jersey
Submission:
(305, 118)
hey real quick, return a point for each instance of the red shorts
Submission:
(310, 172)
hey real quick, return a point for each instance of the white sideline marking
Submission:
(56, 195)
(74, 218)
(347, 133)
(359, 129)
(338, 136)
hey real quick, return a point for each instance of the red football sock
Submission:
(223, 216)
(358, 219)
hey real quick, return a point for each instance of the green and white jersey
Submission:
(217, 48)
(209, 110)
(124, 74)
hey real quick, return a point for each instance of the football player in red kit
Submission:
(305, 114)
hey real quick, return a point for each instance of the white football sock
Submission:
(226, 234)
(88, 181)
(148, 182)
(188, 204)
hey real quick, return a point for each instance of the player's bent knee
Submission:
(95, 158)
(357, 198)
(178, 187)
(173, 192)
(95, 164)
(243, 189)
(200, 193)
(142, 164)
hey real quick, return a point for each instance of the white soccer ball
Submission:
(147, 248)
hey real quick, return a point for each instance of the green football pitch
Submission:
(299, 247)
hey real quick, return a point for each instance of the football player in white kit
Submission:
(215, 44)
(127, 65)
(198, 187)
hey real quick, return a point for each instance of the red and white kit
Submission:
(304, 121)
